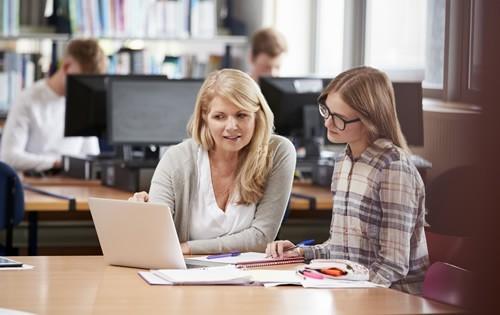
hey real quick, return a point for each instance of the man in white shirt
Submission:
(33, 136)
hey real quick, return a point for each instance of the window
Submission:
(314, 31)
(435, 41)
(407, 36)
(330, 36)
(293, 19)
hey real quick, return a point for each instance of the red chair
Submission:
(455, 250)
(448, 284)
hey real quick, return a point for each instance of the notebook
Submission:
(250, 260)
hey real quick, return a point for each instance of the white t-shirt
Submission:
(207, 220)
(33, 136)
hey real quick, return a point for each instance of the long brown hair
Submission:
(369, 91)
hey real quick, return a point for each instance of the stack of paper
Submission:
(333, 283)
(214, 275)
(272, 278)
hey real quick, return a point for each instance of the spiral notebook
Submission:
(250, 260)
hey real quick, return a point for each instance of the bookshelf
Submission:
(179, 38)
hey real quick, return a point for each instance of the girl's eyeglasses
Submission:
(339, 122)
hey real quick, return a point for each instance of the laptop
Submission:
(136, 234)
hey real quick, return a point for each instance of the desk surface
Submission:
(38, 202)
(85, 285)
(81, 190)
(323, 195)
(57, 180)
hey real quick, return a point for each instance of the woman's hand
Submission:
(186, 250)
(281, 249)
(140, 197)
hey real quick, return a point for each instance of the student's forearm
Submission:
(249, 240)
(27, 161)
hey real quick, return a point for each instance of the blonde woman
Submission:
(228, 185)
(378, 195)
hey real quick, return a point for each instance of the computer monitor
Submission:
(290, 105)
(292, 101)
(86, 97)
(143, 112)
(85, 106)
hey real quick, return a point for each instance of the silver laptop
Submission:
(136, 234)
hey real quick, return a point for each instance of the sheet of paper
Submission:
(152, 279)
(6, 311)
(24, 267)
(274, 276)
(331, 284)
(212, 275)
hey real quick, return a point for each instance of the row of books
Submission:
(145, 18)
(128, 61)
(112, 18)
(17, 71)
(9, 17)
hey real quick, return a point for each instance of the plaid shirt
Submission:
(378, 217)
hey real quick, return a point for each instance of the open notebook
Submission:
(247, 260)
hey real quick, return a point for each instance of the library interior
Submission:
(264, 156)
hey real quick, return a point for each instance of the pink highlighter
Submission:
(311, 274)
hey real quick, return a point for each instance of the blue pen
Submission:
(230, 254)
(305, 243)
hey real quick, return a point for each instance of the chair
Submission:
(455, 250)
(448, 284)
(452, 198)
(11, 205)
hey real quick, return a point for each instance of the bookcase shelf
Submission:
(217, 40)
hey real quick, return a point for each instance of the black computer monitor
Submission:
(85, 106)
(290, 107)
(86, 97)
(295, 108)
(143, 112)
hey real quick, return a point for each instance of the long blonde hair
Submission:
(369, 91)
(255, 160)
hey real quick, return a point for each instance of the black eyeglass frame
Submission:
(322, 107)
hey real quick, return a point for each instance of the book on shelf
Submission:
(145, 18)
(17, 72)
(9, 17)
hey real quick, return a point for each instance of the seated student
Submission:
(378, 195)
(228, 186)
(33, 137)
(268, 47)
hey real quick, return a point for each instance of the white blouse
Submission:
(207, 220)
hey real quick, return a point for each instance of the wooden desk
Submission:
(323, 198)
(35, 203)
(57, 180)
(81, 190)
(85, 285)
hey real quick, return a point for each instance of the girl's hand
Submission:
(140, 197)
(282, 249)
